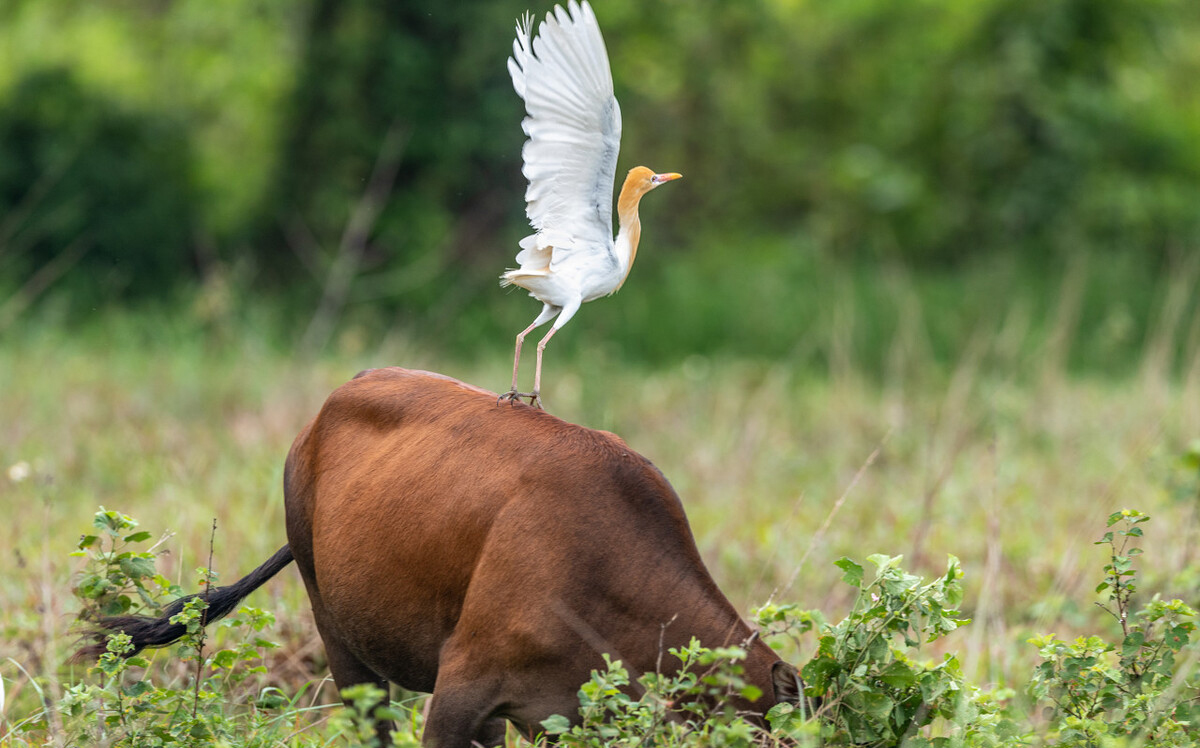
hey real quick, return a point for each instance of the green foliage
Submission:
(689, 707)
(127, 707)
(873, 693)
(1137, 688)
(131, 703)
(872, 690)
(119, 580)
(864, 684)
(367, 703)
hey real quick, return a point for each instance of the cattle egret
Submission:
(574, 129)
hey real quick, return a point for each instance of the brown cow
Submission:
(487, 553)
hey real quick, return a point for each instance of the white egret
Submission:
(570, 160)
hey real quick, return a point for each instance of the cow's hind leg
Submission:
(348, 670)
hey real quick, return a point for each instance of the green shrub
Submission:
(133, 701)
(872, 689)
(1136, 688)
(119, 580)
(685, 708)
(865, 683)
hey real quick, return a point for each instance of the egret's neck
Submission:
(630, 228)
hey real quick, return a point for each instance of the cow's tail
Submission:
(157, 632)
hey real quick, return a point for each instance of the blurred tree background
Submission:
(358, 162)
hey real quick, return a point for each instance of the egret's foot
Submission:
(513, 396)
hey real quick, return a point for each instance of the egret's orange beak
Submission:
(658, 179)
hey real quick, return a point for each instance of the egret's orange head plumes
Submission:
(640, 181)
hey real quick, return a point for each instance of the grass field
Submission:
(1012, 467)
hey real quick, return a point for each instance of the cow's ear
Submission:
(786, 681)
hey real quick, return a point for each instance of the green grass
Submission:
(1001, 456)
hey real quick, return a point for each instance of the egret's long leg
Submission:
(547, 314)
(537, 372)
(517, 354)
(568, 311)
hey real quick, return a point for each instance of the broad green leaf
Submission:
(136, 689)
(898, 675)
(224, 658)
(877, 705)
(137, 567)
(877, 649)
(106, 521)
(853, 573)
(817, 673)
(883, 562)
(1176, 637)
(1132, 644)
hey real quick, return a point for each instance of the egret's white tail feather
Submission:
(520, 277)
(535, 254)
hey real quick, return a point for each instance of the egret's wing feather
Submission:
(574, 129)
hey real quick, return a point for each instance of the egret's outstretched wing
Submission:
(574, 129)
